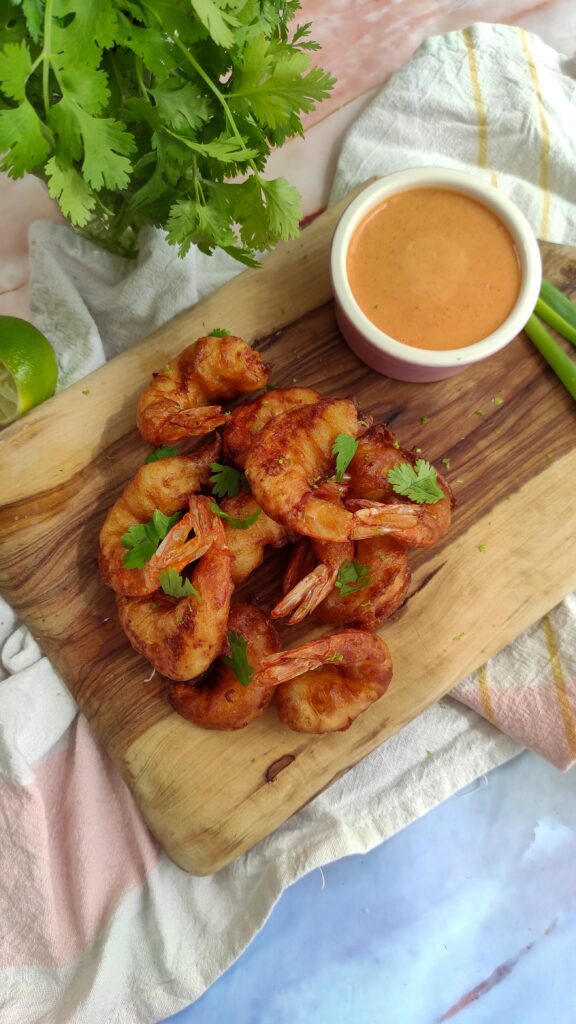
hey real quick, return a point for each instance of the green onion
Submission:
(559, 302)
(558, 322)
(554, 355)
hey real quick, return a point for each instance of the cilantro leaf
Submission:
(174, 585)
(160, 112)
(219, 332)
(416, 482)
(236, 524)
(144, 538)
(227, 481)
(166, 451)
(344, 448)
(15, 67)
(352, 576)
(238, 661)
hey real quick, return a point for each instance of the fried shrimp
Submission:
(182, 637)
(177, 403)
(290, 455)
(218, 700)
(248, 419)
(306, 594)
(327, 683)
(375, 504)
(247, 546)
(388, 575)
(165, 485)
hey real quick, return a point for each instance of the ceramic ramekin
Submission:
(404, 362)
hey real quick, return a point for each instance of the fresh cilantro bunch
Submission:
(158, 112)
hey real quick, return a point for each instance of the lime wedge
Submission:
(28, 368)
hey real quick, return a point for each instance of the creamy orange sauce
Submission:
(434, 269)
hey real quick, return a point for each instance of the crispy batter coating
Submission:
(290, 455)
(327, 683)
(248, 419)
(219, 701)
(177, 403)
(247, 547)
(374, 502)
(181, 638)
(165, 485)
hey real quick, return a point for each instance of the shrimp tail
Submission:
(306, 595)
(372, 518)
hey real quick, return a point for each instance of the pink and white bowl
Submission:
(405, 362)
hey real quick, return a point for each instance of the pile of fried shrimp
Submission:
(350, 525)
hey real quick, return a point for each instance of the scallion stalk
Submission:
(556, 299)
(558, 322)
(554, 355)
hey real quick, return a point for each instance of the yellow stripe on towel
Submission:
(485, 697)
(481, 117)
(560, 686)
(544, 167)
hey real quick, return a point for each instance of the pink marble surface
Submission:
(364, 42)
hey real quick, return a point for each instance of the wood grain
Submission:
(512, 467)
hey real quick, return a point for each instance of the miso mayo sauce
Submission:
(434, 269)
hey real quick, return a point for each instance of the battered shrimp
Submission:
(327, 683)
(389, 580)
(289, 456)
(248, 419)
(415, 525)
(306, 594)
(219, 701)
(177, 402)
(165, 485)
(247, 546)
(181, 638)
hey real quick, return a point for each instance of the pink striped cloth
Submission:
(97, 925)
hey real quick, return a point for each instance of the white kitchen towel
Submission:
(140, 939)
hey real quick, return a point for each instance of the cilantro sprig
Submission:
(344, 448)
(174, 585)
(226, 481)
(166, 451)
(144, 538)
(352, 576)
(140, 112)
(416, 482)
(235, 522)
(238, 660)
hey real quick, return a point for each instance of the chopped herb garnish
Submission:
(479, 412)
(238, 661)
(424, 420)
(85, 391)
(271, 387)
(226, 481)
(236, 524)
(144, 538)
(175, 585)
(352, 576)
(344, 448)
(395, 444)
(445, 462)
(458, 636)
(219, 332)
(416, 482)
(497, 400)
(482, 548)
(166, 451)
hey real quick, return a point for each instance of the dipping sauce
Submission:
(433, 268)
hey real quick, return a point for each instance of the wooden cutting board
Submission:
(509, 557)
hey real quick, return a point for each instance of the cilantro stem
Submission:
(219, 96)
(554, 355)
(46, 53)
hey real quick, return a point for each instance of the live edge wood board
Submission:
(509, 556)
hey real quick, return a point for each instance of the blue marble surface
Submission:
(467, 914)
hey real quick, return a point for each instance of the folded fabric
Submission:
(98, 924)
